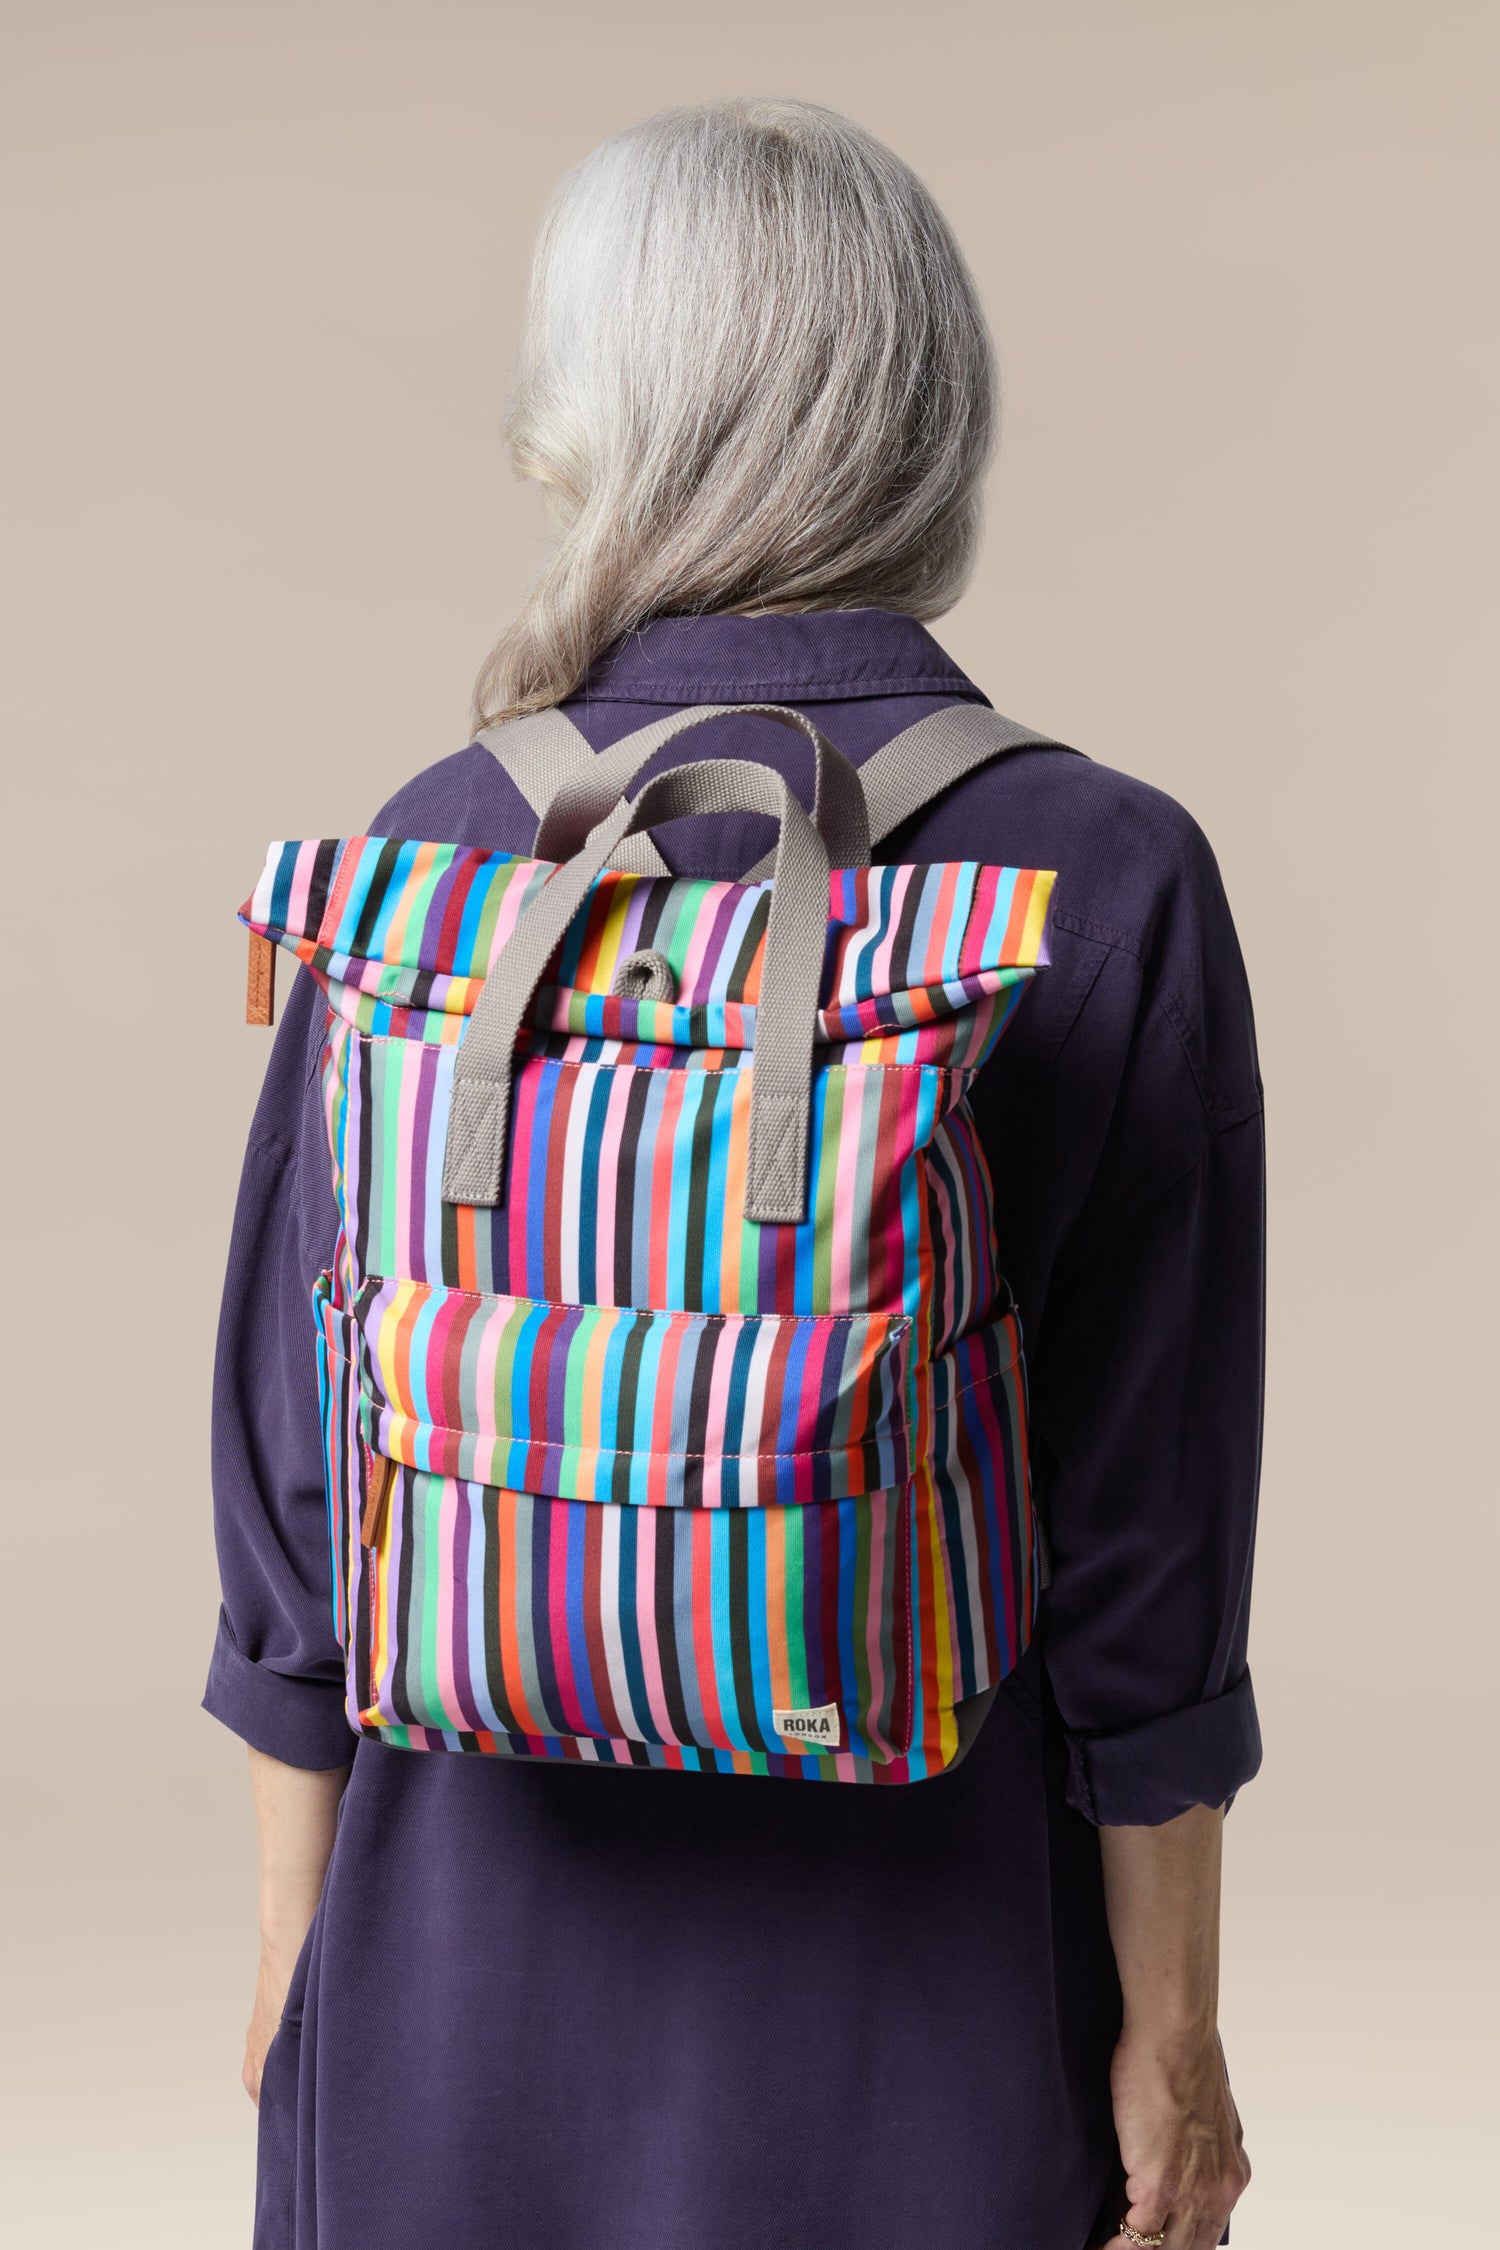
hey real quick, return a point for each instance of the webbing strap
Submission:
(545, 752)
(917, 765)
(570, 787)
(786, 1015)
(838, 807)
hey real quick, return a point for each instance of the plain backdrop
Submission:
(264, 275)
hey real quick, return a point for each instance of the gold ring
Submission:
(1131, 2236)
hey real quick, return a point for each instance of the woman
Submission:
(549, 2008)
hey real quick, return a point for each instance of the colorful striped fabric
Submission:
(615, 1474)
(598, 1402)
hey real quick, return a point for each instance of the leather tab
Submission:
(379, 1470)
(260, 981)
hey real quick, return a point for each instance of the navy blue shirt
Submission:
(580, 2010)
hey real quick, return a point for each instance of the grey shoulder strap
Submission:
(539, 753)
(545, 751)
(916, 766)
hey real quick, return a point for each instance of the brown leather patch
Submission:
(379, 1472)
(260, 981)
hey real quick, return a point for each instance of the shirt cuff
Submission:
(299, 1721)
(1149, 1774)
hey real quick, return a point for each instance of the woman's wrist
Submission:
(1162, 1895)
(296, 1814)
(284, 1925)
(1172, 2023)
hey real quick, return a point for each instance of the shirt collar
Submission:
(826, 655)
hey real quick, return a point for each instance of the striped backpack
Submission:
(673, 1404)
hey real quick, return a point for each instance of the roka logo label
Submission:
(819, 1729)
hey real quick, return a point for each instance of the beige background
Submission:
(265, 273)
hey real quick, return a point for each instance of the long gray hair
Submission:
(756, 376)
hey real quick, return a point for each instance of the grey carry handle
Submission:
(916, 766)
(588, 792)
(786, 1013)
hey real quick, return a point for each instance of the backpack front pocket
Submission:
(638, 1634)
(647, 1537)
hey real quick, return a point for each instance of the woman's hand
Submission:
(1175, 2119)
(1180, 2138)
(296, 1813)
(277, 1961)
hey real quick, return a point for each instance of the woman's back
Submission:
(642, 2009)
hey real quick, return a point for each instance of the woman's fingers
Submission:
(1173, 2229)
(1147, 2214)
(1193, 2224)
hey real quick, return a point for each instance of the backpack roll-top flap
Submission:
(651, 1409)
(394, 928)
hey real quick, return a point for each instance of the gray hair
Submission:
(756, 376)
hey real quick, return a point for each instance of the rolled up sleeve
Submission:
(1197, 1756)
(276, 1676)
(1148, 1388)
(295, 1717)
